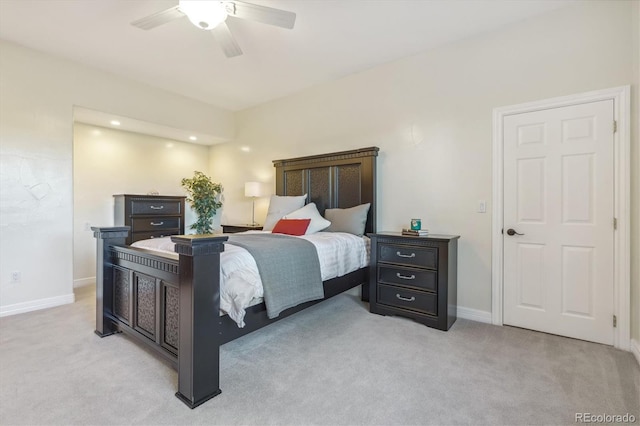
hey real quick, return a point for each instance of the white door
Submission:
(558, 193)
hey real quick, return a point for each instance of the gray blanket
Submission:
(288, 266)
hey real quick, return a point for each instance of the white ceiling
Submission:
(331, 39)
(128, 124)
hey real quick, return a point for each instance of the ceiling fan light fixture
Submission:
(203, 14)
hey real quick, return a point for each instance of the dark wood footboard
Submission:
(169, 303)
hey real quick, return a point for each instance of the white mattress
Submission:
(240, 284)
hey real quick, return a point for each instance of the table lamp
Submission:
(253, 190)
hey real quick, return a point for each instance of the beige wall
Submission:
(37, 95)
(431, 116)
(108, 161)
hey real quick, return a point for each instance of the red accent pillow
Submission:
(291, 226)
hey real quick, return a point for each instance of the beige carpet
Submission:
(332, 364)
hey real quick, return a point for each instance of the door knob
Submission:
(512, 231)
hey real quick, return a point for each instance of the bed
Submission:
(165, 301)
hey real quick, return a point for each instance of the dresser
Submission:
(232, 229)
(149, 216)
(414, 277)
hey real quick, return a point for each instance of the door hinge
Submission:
(615, 223)
(615, 321)
(615, 126)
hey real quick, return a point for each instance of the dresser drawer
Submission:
(153, 207)
(426, 303)
(422, 257)
(137, 236)
(421, 279)
(154, 223)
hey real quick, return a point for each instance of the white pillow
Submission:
(310, 211)
(280, 205)
(352, 220)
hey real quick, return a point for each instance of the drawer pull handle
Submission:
(156, 208)
(405, 255)
(157, 224)
(406, 299)
(405, 277)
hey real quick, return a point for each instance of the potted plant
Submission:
(203, 195)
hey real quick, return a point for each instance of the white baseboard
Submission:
(474, 314)
(81, 282)
(35, 305)
(635, 349)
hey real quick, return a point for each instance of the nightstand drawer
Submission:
(421, 279)
(421, 257)
(154, 223)
(419, 301)
(153, 207)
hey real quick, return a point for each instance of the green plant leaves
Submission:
(203, 195)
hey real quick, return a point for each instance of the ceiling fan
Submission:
(210, 15)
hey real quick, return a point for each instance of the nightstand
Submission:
(414, 277)
(232, 229)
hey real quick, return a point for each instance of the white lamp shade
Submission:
(252, 189)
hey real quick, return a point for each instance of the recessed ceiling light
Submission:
(169, 145)
(193, 138)
(115, 123)
(245, 149)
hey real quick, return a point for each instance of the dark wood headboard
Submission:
(335, 180)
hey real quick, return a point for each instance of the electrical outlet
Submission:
(16, 277)
(482, 206)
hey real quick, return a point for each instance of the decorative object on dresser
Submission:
(414, 277)
(232, 229)
(149, 216)
(253, 190)
(415, 232)
(204, 196)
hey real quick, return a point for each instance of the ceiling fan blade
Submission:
(226, 40)
(158, 18)
(264, 14)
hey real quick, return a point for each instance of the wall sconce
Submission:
(253, 190)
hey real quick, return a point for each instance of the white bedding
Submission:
(339, 254)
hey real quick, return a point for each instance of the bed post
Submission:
(199, 324)
(105, 238)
